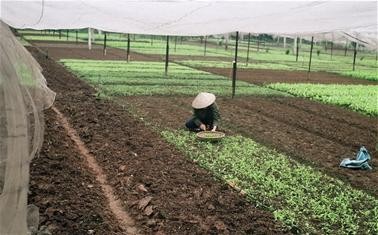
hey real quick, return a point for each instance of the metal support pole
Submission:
(297, 54)
(204, 52)
(175, 42)
(128, 48)
(104, 43)
(312, 46)
(89, 38)
(354, 55)
(166, 56)
(152, 40)
(346, 48)
(67, 35)
(258, 45)
(331, 50)
(77, 38)
(249, 43)
(60, 34)
(234, 65)
(227, 38)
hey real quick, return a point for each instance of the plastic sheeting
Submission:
(23, 97)
(197, 17)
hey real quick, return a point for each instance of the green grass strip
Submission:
(299, 196)
(360, 98)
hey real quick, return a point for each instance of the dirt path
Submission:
(315, 134)
(265, 76)
(69, 200)
(163, 191)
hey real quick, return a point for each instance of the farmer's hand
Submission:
(203, 127)
(214, 128)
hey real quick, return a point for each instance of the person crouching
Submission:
(205, 113)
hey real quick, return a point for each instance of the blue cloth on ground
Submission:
(361, 162)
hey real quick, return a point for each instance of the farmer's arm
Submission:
(216, 116)
(197, 120)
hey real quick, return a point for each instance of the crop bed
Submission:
(359, 98)
(185, 199)
(315, 134)
(291, 184)
(117, 78)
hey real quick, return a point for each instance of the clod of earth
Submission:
(143, 203)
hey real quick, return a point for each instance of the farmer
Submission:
(205, 113)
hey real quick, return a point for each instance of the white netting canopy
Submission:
(358, 18)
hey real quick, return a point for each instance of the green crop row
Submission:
(362, 74)
(119, 78)
(304, 199)
(250, 65)
(360, 98)
(190, 89)
(343, 68)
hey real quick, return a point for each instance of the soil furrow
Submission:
(69, 201)
(114, 204)
(310, 123)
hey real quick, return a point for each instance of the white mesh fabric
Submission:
(23, 97)
(197, 17)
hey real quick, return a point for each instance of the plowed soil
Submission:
(161, 189)
(313, 133)
(65, 191)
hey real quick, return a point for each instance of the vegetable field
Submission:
(276, 171)
(264, 176)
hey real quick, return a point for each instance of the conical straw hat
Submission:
(203, 100)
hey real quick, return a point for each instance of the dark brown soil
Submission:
(265, 76)
(71, 50)
(65, 191)
(313, 133)
(163, 190)
(60, 50)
